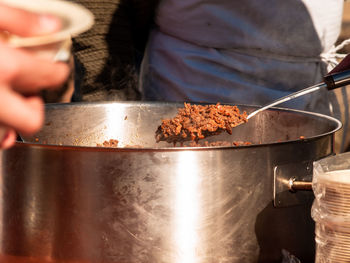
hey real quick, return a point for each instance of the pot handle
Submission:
(292, 184)
(295, 185)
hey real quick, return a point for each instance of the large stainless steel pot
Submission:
(61, 201)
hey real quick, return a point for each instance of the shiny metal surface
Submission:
(292, 184)
(156, 204)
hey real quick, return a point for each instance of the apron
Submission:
(249, 52)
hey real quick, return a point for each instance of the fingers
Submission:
(25, 73)
(28, 73)
(8, 140)
(20, 69)
(24, 115)
(22, 23)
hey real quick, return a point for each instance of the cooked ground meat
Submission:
(218, 143)
(195, 122)
(112, 143)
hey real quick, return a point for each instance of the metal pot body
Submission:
(159, 205)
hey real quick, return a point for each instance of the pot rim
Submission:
(338, 125)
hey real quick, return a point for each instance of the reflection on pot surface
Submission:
(65, 200)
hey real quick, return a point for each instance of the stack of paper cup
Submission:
(331, 208)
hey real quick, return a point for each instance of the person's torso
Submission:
(249, 52)
(272, 25)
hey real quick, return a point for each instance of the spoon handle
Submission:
(288, 97)
(339, 76)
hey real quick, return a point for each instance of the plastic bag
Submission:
(331, 208)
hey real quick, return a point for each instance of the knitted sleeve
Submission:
(107, 56)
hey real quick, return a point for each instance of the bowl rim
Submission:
(76, 19)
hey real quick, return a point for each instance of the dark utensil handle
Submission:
(340, 75)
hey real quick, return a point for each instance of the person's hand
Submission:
(22, 74)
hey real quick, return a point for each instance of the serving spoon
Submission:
(338, 77)
(184, 127)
